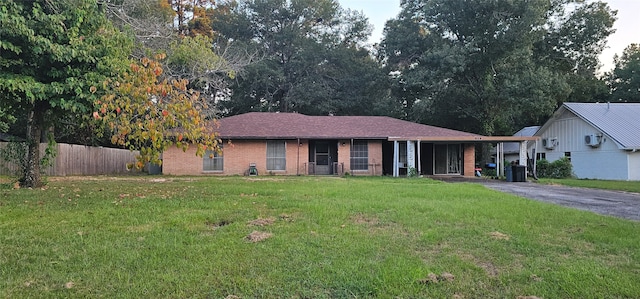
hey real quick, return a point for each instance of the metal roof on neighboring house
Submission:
(620, 121)
(514, 147)
(265, 125)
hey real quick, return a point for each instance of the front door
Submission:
(323, 158)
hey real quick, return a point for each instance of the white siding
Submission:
(634, 166)
(604, 165)
(604, 162)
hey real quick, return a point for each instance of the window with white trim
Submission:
(360, 155)
(212, 161)
(276, 155)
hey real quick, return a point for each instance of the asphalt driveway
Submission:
(614, 203)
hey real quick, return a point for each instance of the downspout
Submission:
(298, 164)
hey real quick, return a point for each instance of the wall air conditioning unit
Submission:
(549, 143)
(592, 140)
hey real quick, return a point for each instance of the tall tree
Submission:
(489, 66)
(144, 110)
(624, 80)
(572, 42)
(182, 30)
(313, 57)
(193, 17)
(52, 51)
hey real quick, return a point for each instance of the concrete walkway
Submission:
(614, 203)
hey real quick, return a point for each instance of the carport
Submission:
(408, 153)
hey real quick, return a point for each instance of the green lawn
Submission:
(629, 186)
(178, 237)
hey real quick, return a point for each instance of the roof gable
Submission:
(619, 121)
(264, 125)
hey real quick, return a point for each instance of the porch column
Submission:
(411, 155)
(419, 159)
(396, 157)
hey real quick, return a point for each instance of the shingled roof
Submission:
(264, 125)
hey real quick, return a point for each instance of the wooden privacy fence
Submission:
(73, 159)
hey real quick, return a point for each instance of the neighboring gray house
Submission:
(512, 149)
(602, 140)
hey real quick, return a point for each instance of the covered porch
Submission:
(445, 155)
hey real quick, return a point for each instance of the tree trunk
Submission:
(31, 177)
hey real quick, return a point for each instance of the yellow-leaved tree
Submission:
(146, 112)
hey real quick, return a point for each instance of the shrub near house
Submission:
(558, 169)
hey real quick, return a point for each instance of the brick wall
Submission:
(375, 157)
(240, 153)
(344, 154)
(469, 160)
(177, 162)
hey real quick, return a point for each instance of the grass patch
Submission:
(628, 186)
(305, 237)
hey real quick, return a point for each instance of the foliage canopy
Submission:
(490, 67)
(51, 52)
(143, 111)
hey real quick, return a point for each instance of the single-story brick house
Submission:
(297, 144)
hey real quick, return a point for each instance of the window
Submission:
(568, 155)
(212, 161)
(541, 156)
(276, 155)
(402, 154)
(360, 155)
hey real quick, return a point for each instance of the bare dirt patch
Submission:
(433, 278)
(257, 236)
(488, 267)
(262, 222)
(364, 219)
(536, 278)
(265, 179)
(132, 178)
(286, 217)
(217, 224)
(499, 236)
(147, 227)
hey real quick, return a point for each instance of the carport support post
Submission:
(523, 156)
(499, 159)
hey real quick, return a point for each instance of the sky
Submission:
(627, 26)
